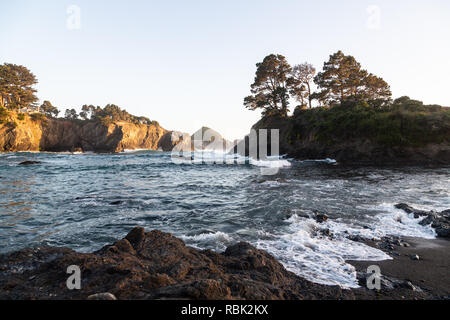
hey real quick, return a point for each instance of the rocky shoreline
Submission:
(156, 265)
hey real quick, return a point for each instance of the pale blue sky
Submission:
(190, 63)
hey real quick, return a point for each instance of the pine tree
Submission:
(343, 78)
(270, 90)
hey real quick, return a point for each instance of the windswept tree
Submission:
(270, 89)
(87, 111)
(71, 114)
(343, 78)
(302, 77)
(48, 109)
(16, 87)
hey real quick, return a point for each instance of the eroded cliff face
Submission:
(358, 150)
(60, 135)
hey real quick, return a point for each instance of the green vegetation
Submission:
(405, 122)
(110, 114)
(3, 115)
(16, 87)
(38, 117)
(342, 79)
(17, 94)
(270, 90)
(353, 104)
(49, 110)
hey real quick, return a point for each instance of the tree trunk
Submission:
(309, 95)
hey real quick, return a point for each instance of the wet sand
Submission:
(430, 274)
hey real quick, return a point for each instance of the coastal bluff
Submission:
(407, 132)
(37, 133)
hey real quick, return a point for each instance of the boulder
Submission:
(439, 221)
(155, 265)
(29, 162)
(102, 296)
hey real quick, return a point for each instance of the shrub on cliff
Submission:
(37, 117)
(3, 115)
(406, 122)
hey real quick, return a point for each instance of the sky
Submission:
(189, 64)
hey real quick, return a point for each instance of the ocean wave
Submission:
(203, 240)
(327, 160)
(318, 258)
(393, 221)
(304, 250)
(218, 157)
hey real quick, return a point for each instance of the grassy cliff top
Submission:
(13, 118)
(405, 122)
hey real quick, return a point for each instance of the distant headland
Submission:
(351, 117)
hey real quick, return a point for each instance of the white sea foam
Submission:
(209, 236)
(202, 240)
(306, 252)
(270, 163)
(133, 150)
(318, 258)
(327, 160)
(219, 157)
(392, 221)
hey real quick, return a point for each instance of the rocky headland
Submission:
(31, 133)
(38, 133)
(404, 133)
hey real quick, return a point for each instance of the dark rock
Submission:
(327, 233)
(205, 289)
(320, 218)
(409, 209)
(116, 203)
(439, 221)
(28, 163)
(102, 296)
(415, 257)
(405, 244)
(428, 220)
(356, 238)
(443, 231)
(135, 236)
(156, 265)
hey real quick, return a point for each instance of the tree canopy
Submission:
(48, 109)
(270, 90)
(16, 87)
(302, 76)
(71, 114)
(343, 78)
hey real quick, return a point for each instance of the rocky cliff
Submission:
(203, 139)
(352, 134)
(37, 133)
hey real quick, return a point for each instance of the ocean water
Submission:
(85, 201)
